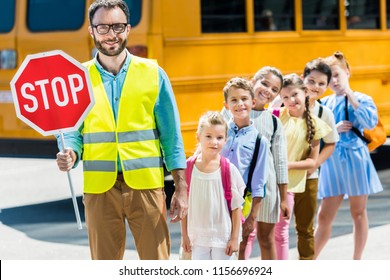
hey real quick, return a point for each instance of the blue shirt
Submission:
(239, 149)
(165, 111)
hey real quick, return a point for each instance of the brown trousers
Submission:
(145, 212)
(305, 205)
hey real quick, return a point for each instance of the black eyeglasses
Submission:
(103, 29)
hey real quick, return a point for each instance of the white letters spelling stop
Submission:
(57, 87)
(52, 92)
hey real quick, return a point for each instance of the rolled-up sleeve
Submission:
(237, 187)
(73, 140)
(260, 174)
(168, 125)
(366, 113)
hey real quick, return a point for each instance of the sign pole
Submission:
(52, 93)
(75, 206)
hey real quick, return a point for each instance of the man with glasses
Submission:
(132, 129)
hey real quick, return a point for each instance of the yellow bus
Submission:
(201, 44)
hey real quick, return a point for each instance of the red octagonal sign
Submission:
(52, 92)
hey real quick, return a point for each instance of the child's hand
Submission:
(186, 244)
(285, 210)
(343, 126)
(311, 171)
(349, 93)
(248, 226)
(231, 247)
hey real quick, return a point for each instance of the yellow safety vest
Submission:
(134, 137)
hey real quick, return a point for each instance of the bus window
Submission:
(320, 15)
(388, 13)
(274, 15)
(135, 7)
(55, 15)
(362, 14)
(223, 16)
(7, 16)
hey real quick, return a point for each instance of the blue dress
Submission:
(350, 170)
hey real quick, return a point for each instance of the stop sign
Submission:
(52, 92)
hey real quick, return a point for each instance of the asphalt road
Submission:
(38, 219)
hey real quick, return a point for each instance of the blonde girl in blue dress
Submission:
(349, 171)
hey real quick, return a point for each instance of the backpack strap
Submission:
(276, 112)
(320, 110)
(190, 165)
(253, 164)
(225, 174)
(275, 124)
(226, 182)
(354, 129)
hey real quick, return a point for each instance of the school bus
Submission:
(201, 44)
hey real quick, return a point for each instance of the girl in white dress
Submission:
(209, 231)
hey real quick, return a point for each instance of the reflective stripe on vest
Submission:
(130, 164)
(131, 136)
(134, 137)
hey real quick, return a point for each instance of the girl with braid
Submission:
(316, 76)
(303, 133)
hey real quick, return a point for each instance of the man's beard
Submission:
(109, 52)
